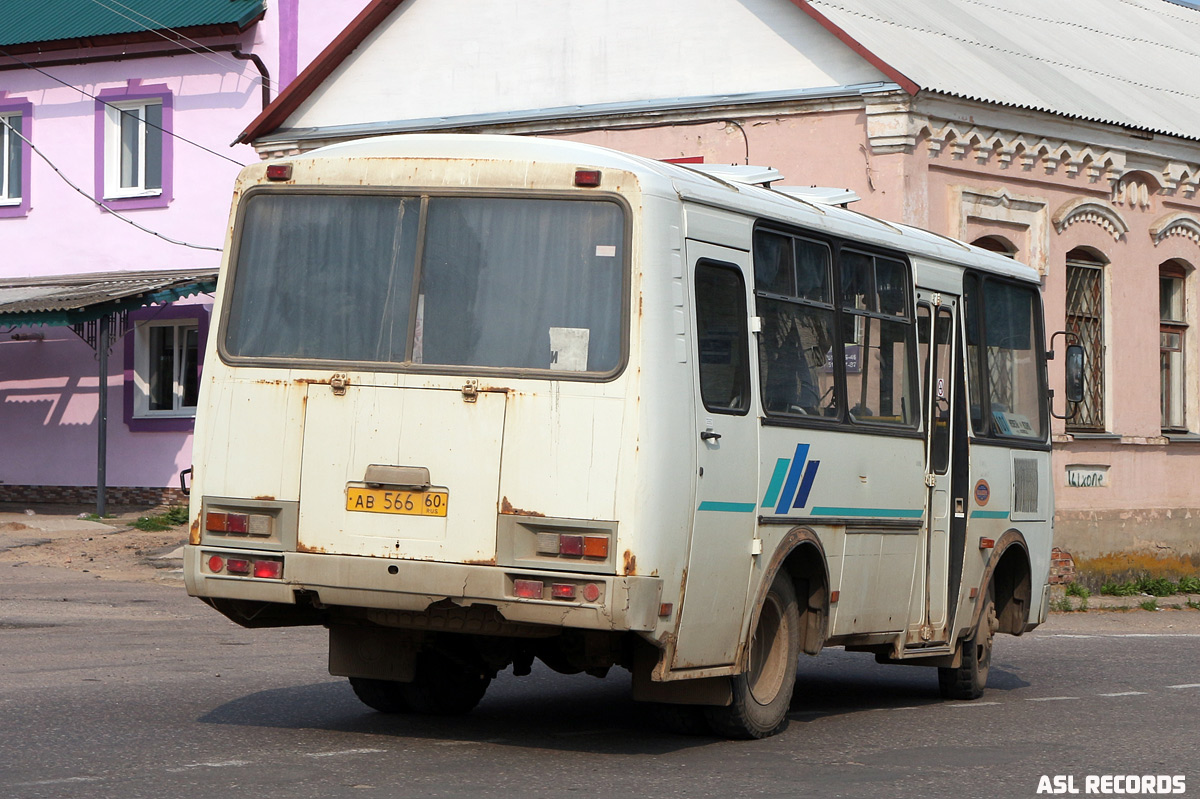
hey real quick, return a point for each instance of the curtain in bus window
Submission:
(324, 277)
(533, 284)
(1014, 387)
(974, 375)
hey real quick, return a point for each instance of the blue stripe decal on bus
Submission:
(810, 472)
(772, 495)
(793, 478)
(989, 514)
(728, 507)
(888, 513)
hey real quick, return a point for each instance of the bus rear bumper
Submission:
(624, 602)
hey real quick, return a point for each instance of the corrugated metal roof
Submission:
(1123, 62)
(26, 22)
(68, 299)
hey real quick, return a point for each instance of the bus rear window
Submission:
(496, 282)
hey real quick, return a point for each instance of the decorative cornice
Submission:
(1184, 225)
(962, 139)
(1083, 209)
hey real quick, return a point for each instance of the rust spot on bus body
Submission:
(194, 534)
(310, 550)
(507, 509)
(488, 562)
(630, 563)
(266, 498)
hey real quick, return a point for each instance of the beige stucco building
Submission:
(1066, 134)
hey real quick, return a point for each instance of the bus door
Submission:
(726, 446)
(936, 318)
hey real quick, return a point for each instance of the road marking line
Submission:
(1051, 698)
(217, 764)
(972, 704)
(62, 780)
(1127, 693)
(1186, 685)
(344, 752)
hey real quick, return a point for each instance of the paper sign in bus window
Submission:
(569, 349)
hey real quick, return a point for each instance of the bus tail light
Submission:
(591, 592)
(216, 564)
(238, 566)
(595, 546)
(527, 589)
(268, 569)
(562, 591)
(570, 545)
(587, 177)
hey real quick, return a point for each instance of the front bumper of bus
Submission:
(621, 602)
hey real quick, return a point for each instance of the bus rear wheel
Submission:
(970, 679)
(762, 694)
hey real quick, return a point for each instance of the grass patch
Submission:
(1132, 573)
(173, 517)
(1149, 604)
(1193, 604)
(1079, 590)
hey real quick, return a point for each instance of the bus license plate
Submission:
(405, 503)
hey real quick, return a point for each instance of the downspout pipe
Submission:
(262, 70)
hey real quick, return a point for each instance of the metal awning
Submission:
(89, 303)
(74, 299)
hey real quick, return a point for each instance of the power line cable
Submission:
(170, 133)
(99, 203)
(158, 31)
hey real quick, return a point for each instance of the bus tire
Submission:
(386, 696)
(444, 685)
(970, 679)
(762, 693)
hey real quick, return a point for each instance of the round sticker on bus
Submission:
(982, 492)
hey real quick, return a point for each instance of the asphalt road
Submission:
(128, 690)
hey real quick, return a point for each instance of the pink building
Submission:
(115, 176)
(1065, 134)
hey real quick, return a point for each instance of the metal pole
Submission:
(102, 432)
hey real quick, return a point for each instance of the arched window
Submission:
(997, 244)
(1172, 334)
(1085, 318)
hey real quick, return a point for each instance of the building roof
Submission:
(79, 23)
(1123, 62)
(71, 299)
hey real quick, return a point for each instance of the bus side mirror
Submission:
(1074, 373)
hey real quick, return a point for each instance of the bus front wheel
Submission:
(970, 678)
(762, 693)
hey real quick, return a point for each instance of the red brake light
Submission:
(216, 563)
(271, 569)
(587, 177)
(238, 566)
(236, 522)
(570, 545)
(562, 591)
(528, 589)
(279, 172)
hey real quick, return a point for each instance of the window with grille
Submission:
(1172, 336)
(1085, 319)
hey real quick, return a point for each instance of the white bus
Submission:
(475, 400)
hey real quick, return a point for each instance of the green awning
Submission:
(26, 22)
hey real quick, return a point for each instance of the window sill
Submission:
(1094, 436)
(135, 201)
(162, 424)
(1182, 438)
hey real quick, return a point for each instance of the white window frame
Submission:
(6, 140)
(141, 369)
(112, 148)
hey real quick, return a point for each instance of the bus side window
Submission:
(794, 299)
(722, 334)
